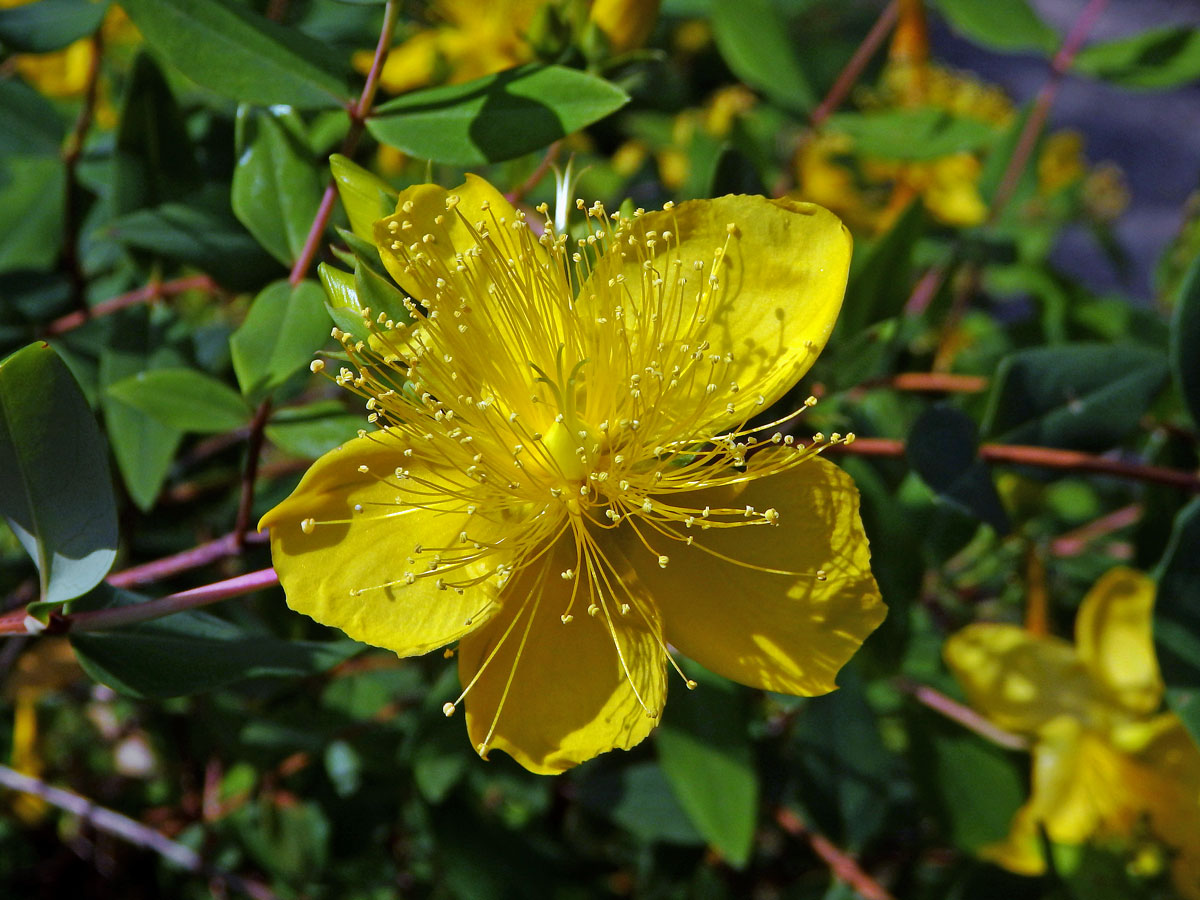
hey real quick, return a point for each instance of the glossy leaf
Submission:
(231, 50)
(1177, 617)
(31, 197)
(282, 331)
(312, 430)
(1185, 340)
(154, 161)
(1154, 60)
(880, 273)
(705, 754)
(496, 117)
(142, 446)
(365, 196)
(942, 448)
(1012, 25)
(913, 134)
(192, 651)
(183, 398)
(753, 40)
(48, 24)
(55, 489)
(1079, 396)
(276, 186)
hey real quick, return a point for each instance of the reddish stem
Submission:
(154, 291)
(845, 868)
(963, 715)
(224, 546)
(849, 75)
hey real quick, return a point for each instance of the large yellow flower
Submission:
(562, 480)
(1106, 763)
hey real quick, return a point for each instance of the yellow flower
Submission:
(1106, 763)
(562, 479)
(472, 40)
(625, 23)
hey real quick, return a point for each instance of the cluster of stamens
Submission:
(553, 390)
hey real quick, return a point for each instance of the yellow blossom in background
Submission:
(1106, 763)
(562, 478)
(64, 73)
(625, 24)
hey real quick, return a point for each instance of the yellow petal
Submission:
(781, 632)
(349, 569)
(1113, 636)
(555, 694)
(1018, 680)
(781, 283)
(1021, 850)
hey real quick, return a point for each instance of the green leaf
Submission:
(276, 186)
(1177, 617)
(183, 399)
(55, 490)
(282, 331)
(754, 42)
(32, 126)
(313, 430)
(202, 233)
(1079, 396)
(1155, 59)
(942, 448)
(142, 446)
(639, 799)
(365, 196)
(191, 651)
(32, 191)
(497, 117)
(913, 134)
(1185, 340)
(1010, 26)
(705, 753)
(49, 25)
(154, 161)
(231, 50)
(879, 274)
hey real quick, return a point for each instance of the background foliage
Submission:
(165, 197)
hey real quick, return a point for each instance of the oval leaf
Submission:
(942, 449)
(184, 399)
(284, 328)
(497, 117)
(1156, 59)
(1011, 25)
(1177, 617)
(55, 489)
(230, 50)
(49, 24)
(1185, 340)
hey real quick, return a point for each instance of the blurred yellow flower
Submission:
(625, 23)
(563, 479)
(1106, 763)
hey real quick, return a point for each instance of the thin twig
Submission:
(1075, 542)
(931, 382)
(849, 75)
(517, 194)
(254, 442)
(1041, 457)
(154, 291)
(72, 150)
(130, 830)
(842, 865)
(1027, 140)
(963, 715)
(116, 616)
(202, 555)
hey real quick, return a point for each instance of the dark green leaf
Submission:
(942, 448)
(1185, 340)
(202, 233)
(191, 651)
(31, 126)
(49, 24)
(282, 331)
(231, 50)
(142, 446)
(1079, 396)
(913, 134)
(183, 399)
(1011, 25)
(1177, 617)
(754, 42)
(276, 186)
(153, 161)
(639, 799)
(705, 754)
(55, 490)
(496, 117)
(879, 273)
(31, 203)
(1160, 58)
